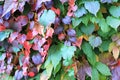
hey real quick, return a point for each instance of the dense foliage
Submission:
(59, 39)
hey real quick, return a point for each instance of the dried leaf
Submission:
(116, 52)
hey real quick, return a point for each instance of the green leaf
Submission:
(67, 62)
(104, 46)
(115, 0)
(113, 22)
(80, 12)
(67, 52)
(49, 69)
(76, 22)
(87, 49)
(115, 11)
(85, 19)
(71, 72)
(95, 74)
(95, 41)
(54, 55)
(4, 34)
(92, 6)
(87, 29)
(57, 68)
(47, 18)
(56, 52)
(103, 69)
(104, 26)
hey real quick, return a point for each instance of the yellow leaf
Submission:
(85, 37)
(111, 46)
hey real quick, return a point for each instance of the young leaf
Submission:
(104, 26)
(95, 41)
(80, 12)
(47, 18)
(103, 69)
(114, 11)
(67, 52)
(92, 6)
(76, 22)
(111, 20)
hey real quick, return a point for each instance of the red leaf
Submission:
(27, 45)
(2, 27)
(31, 74)
(71, 3)
(26, 52)
(31, 34)
(61, 36)
(49, 32)
(57, 11)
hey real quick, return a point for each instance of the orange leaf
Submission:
(71, 2)
(39, 28)
(115, 52)
(79, 41)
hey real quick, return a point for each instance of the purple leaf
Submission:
(116, 73)
(37, 59)
(66, 20)
(18, 75)
(67, 43)
(9, 5)
(71, 32)
(7, 16)
(21, 38)
(22, 20)
(9, 68)
(49, 4)
(59, 29)
(30, 15)
(2, 67)
(72, 39)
